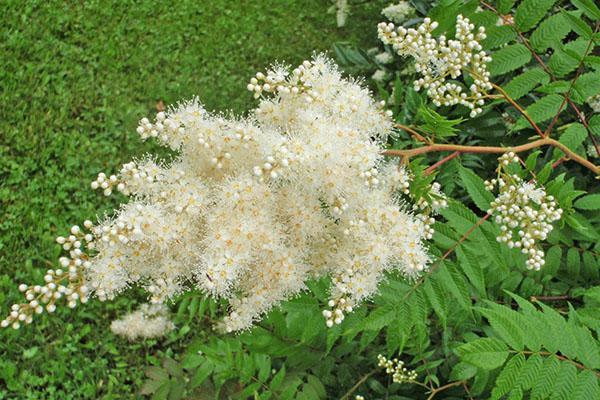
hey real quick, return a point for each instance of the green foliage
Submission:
(509, 58)
(524, 83)
(435, 124)
(530, 12)
(535, 354)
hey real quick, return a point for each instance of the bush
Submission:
(491, 111)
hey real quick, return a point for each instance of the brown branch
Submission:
(444, 160)
(414, 133)
(520, 109)
(551, 298)
(357, 385)
(495, 150)
(563, 358)
(442, 388)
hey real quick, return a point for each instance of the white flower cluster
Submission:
(398, 12)
(150, 321)
(379, 76)
(252, 208)
(66, 283)
(524, 213)
(438, 60)
(396, 368)
(384, 57)
(594, 103)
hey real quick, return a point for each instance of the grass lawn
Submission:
(75, 77)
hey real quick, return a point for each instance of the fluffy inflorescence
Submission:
(441, 61)
(150, 321)
(251, 208)
(524, 213)
(396, 368)
(398, 12)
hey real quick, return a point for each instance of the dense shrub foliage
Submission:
(491, 155)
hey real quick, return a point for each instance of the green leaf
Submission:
(436, 124)
(509, 58)
(504, 6)
(278, 378)
(540, 111)
(508, 377)
(544, 384)
(530, 372)
(472, 269)
(530, 12)
(588, 7)
(550, 32)
(476, 188)
(498, 36)
(573, 263)
(157, 373)
(484, 353)
(506, 323)
(587, 85)
(573, 137)
(379, 318)
(462, 371)
(566, 58)
(563, 387)
(436, 299)
(526, 82)
(586, 386)
(553, 257)
(453, 282)
(589, 202)
(578, 24)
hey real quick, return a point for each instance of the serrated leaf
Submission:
(462, 371)
(588, 7)
(201, 374)
(540, 111)
(578, 24)
(498, 36)
(586, 386)
(436, 299)
(505, 323)
(484, 353)
(530, 12)
(573, 137)
(508, 59)
(587, 85)
(550, 32)
(472, 269)
(526, 82)
(508, 376)
(565, 382)
(546, 379)
(476, 189)
(566, 58)
(530, 372)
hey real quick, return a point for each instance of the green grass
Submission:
(74, 81)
